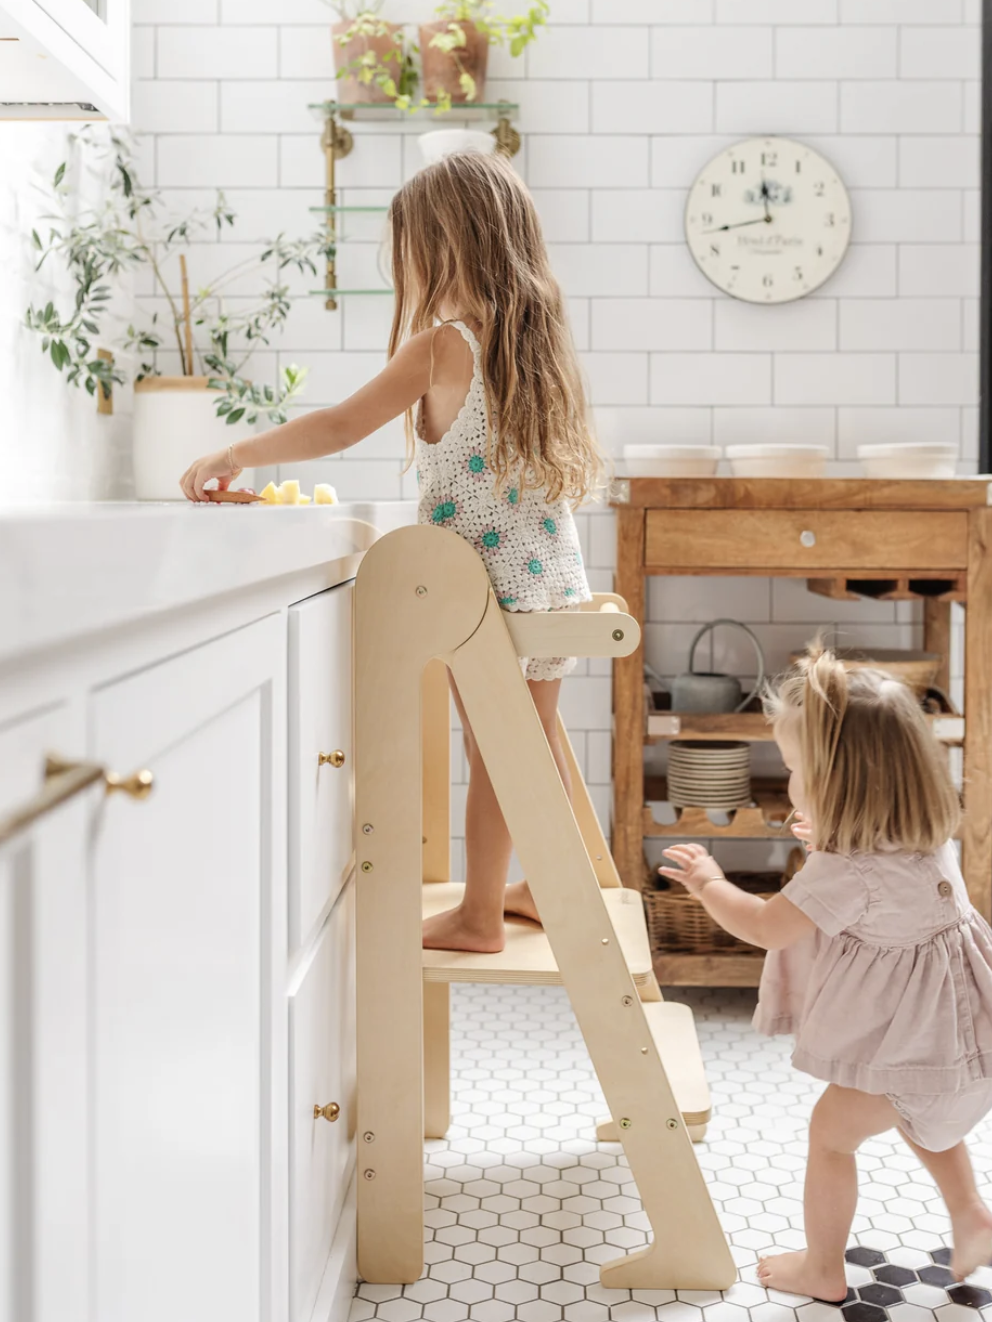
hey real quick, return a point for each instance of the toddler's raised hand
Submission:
(696, 867)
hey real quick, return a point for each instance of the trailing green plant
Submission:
(395, 72)
(516, 32)
(99, 245)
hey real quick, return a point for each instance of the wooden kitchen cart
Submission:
(927, 541)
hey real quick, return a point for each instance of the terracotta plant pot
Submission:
(442, 71)
(175, 422)
(350, 90)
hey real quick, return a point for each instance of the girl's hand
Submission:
(802, 829)
(202, 470)
(696, 867)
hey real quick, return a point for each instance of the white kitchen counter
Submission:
(73, 569)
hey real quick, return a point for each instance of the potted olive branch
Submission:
(98, 247)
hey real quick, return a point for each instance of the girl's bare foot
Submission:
(457, 930)
(793, 1273)
(519, 902)
(971, 1233)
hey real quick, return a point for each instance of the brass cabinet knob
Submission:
(335, 759)
(330, 1112)
(137, 786)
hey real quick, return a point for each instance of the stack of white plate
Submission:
(671, 460)
(777, 460)
(709, 775)
(910, 459)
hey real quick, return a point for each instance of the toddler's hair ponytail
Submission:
(874, 775)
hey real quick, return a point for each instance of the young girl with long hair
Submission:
(878, 962)
(482, 364)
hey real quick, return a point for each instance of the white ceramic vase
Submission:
(445, 142)
(175, 422)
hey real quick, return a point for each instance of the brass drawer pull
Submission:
(64, 780)
(335, 759)
(329, 1112)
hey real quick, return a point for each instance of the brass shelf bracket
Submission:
(336, 143)
(507, 137)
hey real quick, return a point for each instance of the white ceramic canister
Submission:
(175, 422)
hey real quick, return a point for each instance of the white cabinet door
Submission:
(322, 1071)
(67, 50)
(321, 794)
(189, 898)
(44, 1130)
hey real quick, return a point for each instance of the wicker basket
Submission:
(678, 923)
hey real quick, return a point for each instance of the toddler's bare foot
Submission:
(793, 1273)
(519, 901)
(971, 1232)
(455, 930)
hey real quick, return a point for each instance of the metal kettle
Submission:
(700, 691)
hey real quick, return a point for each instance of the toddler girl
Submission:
(878, 962)
(480, 348)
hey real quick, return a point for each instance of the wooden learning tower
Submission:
(424, 605)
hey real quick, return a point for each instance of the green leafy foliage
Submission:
(99, 247)
(516, 32)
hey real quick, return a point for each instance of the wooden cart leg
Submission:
(628, 706)
(937, 637)
(976, 834)
(689, 1250)
(437, 1059)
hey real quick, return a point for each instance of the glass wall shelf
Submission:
(342, 211)
(378, 113)
(353, 293)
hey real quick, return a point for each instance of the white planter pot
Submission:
(175, 422)
(445, 142)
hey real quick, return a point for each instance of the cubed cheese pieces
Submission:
(324, 494)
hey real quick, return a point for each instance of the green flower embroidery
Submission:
(444, 511)
(578, 557)
(550, 527)
(535, 567)
(513, 495)
(490, 539)
(507, 601)
(477, 464)
(570, 592)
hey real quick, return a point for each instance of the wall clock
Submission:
(768, 220)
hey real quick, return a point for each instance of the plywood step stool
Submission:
(422, 598)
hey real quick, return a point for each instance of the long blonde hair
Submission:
(874, 775)
(465, 234)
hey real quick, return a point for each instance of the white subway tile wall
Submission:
(622, 103)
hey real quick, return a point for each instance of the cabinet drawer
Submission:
(806, 540)
(322, 1070)
(320, 723)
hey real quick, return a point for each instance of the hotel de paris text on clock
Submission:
(768, 220)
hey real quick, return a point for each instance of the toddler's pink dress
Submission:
(892, 994)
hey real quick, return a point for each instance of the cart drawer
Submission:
(803, 541)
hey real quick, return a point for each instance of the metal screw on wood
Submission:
(369, 1174)
(368, 1136)
(366, 866)
(421, 590)
(618, 635)
(626, 1000)
(606, 940)
(625, 1123)
(368, 828)
(644, 1051)
(672, 1124)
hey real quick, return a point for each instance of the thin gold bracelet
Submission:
(231, 459)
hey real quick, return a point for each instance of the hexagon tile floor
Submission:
(523, 1206)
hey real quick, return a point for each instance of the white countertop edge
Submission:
(73, 569)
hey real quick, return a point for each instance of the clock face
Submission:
(768, 220)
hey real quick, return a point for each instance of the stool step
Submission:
(527, 956)
(674, 1034)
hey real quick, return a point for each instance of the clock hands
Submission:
(761, 220)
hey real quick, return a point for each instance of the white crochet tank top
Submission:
(529, 544)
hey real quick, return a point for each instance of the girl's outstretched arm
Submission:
(770, 924)
(404, 380)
